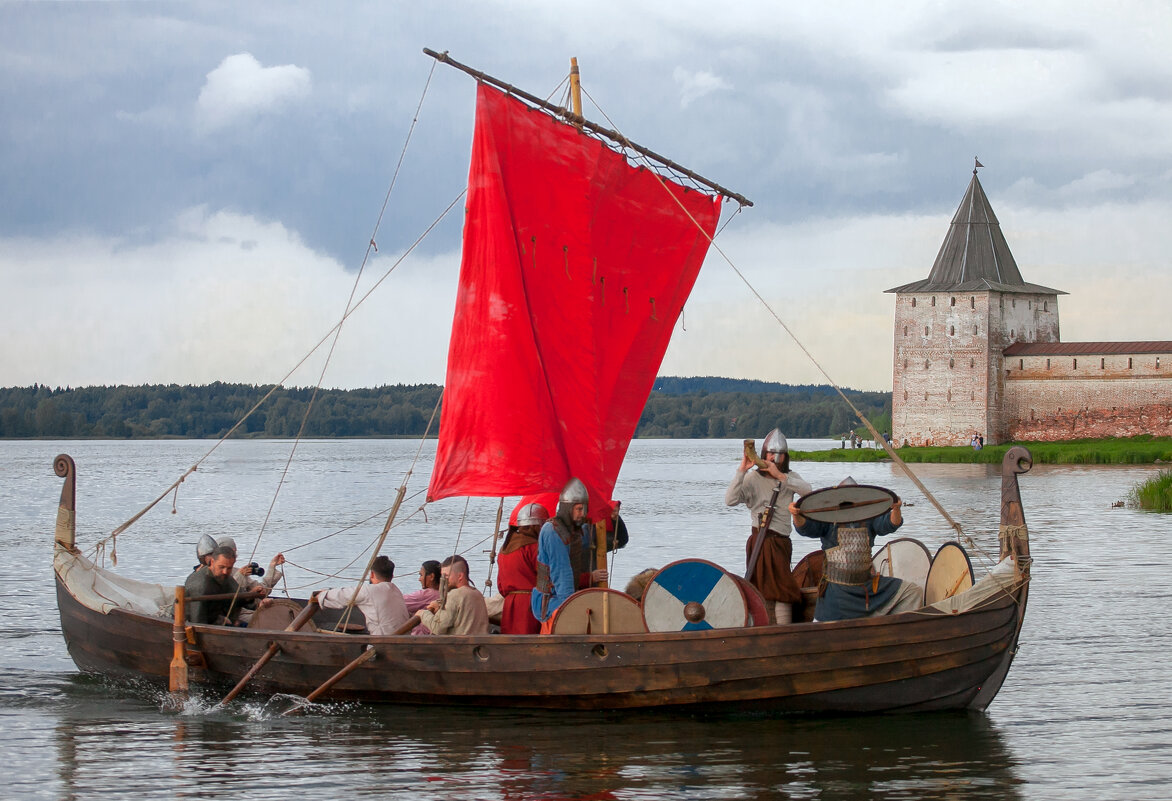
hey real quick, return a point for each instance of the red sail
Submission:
(575, 268)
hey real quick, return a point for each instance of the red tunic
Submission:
(516, 577)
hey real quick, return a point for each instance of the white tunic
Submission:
(382, 605)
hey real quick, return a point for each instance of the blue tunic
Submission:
(555, 554)
(844, 601)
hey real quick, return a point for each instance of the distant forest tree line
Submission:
(680, 408)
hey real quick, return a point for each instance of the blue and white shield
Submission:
(693, 595)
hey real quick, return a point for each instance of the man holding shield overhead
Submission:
(850, 588)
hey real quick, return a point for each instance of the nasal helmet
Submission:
(204, 547)
(774, 442)
(574, 492)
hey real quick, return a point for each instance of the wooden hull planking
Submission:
(911, 662)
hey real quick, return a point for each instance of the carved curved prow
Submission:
(1014, 536)
(66, 510)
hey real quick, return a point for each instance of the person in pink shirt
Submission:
(429, 582)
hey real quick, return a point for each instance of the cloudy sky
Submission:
(188, 189)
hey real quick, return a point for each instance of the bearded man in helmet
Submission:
(755, 489)
(563, 554)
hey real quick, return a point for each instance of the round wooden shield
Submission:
(951, 572)
(278, 616)
(904, 558)
(598, 610)
(694, 595)
(846, 504)
(758, 613)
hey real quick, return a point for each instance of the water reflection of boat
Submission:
(503, 754)
(576, 266)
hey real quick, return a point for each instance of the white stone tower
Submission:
(951, 330)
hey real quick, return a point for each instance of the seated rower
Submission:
(380, 601)
(850, 588)
(463, 610)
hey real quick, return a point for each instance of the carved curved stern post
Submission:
(1015, 544)
(66, 531)
(1015, 540)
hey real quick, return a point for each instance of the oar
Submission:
(367, 654)
(407, 627)
(271, 651)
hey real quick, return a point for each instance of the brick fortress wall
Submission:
(1088, 396)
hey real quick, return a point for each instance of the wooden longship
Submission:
(576, 264)
(954, 655)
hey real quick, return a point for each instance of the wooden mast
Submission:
(600, 526)
(576, 92)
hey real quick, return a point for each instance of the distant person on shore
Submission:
(380, 601)
(462, 610)
(754, 488)
(850, 588)
(975, 443)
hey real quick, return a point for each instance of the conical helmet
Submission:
(532, 514)
(204, 547)
(226, 542)
(848, 482)
(774, 442)
(574, 492)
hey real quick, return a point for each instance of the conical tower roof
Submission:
(975, 255)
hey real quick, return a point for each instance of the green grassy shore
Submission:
(1155, 494)
(1133, 450)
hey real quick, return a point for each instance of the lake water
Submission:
(1086, 712)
